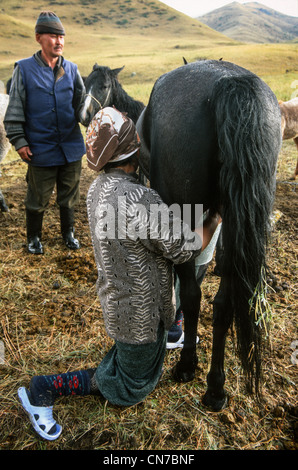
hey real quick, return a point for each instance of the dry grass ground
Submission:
(50, 317)
(50, 321)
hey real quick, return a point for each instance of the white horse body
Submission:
(4, 143)
(289, 124)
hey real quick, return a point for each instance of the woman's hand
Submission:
(209, 226)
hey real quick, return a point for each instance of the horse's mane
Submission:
(126, 103)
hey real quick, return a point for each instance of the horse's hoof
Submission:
(215, 403)
(181, 375)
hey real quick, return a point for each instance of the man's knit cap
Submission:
(49, 23)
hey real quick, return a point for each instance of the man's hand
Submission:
(25, 154)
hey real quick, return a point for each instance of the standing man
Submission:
(42, 123)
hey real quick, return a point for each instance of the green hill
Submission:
(97, 28)
(139, 16)
(146, 37)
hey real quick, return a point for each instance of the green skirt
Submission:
(129, 372)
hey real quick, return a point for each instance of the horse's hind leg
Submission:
(215, 396)
(190, 299)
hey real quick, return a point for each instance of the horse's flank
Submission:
(4, 142)
(289, 124)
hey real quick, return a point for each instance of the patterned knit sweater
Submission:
(135, 256)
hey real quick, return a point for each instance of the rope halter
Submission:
(98, 102)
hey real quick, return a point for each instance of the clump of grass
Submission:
(260, 306)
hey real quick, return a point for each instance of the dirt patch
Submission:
(50, 321)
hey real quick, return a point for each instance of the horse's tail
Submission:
(247, 152)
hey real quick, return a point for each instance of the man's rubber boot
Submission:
(34, 227)
(67, 230)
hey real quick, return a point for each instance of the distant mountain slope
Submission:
(101, 16)
(252, 22)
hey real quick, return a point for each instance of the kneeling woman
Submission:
(134, 258)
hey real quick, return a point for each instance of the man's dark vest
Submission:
(51, 128)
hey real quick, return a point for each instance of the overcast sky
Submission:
(196, 8)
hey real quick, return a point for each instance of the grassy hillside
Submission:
(147, 37)
(104, 31)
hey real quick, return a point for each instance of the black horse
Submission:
(103, 89)
(211, 135)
